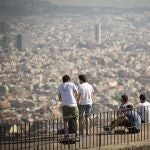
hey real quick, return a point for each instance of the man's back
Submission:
(86, 90)
(67, 94)
(144, 110)
(134, 119)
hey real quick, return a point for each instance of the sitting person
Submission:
(124, 103)
(129, 118)
(122, 107)
(143, 109)
(133, 119)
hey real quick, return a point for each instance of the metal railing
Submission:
(48, 134)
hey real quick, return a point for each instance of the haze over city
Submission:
(58, 37)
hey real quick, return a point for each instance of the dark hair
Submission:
(142, 97)
(124, 98)
(65, 78)
(82, 77)
(130, 107)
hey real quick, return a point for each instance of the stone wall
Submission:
(144, 147)
(140, 145)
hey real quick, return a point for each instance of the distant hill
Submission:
(100, 3)
(25, 7)
(105, 3)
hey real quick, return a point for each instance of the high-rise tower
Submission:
(23, 41)
(4, 27)
(98, 33)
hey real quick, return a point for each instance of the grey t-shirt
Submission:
(134, 119)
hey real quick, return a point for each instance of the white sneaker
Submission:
(107, 129)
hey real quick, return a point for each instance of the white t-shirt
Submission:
(86, 90)
(144, 111)
(66, 90)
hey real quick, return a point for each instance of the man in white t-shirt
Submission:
(67, 94)
(143, 109)
(85, 102)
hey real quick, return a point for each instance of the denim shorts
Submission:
(85, 110)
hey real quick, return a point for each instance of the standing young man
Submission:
(67, 94)
(85, 101)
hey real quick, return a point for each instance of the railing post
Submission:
(100, 132)
(37, 147)
(21, 136)
(127, 139)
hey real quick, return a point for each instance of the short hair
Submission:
(66, 78)
(82, 77)
(124, 98)
(130, 107)
(142, 97)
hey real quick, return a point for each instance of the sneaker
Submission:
(77, 137)
(107, 129)
(66, 137)
(87, 134)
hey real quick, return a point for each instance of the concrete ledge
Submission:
(139, 145)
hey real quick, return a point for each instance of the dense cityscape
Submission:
(64, 43)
